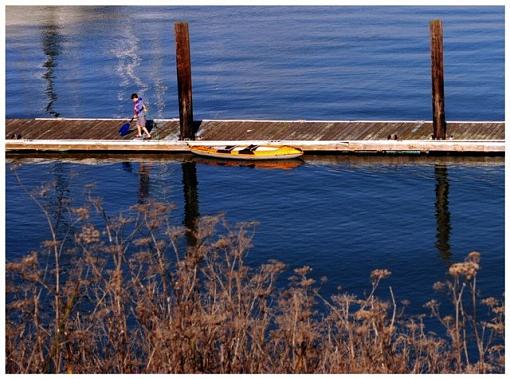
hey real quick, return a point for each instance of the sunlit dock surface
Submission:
(101, 135)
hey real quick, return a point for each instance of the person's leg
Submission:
(141, 121)
(139, 134)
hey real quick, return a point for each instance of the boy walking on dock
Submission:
(139, 110)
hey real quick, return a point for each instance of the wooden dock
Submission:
(58, 134)
(173, 135)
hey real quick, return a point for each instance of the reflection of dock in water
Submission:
(95, 158)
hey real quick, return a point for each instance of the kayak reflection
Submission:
(269, 164)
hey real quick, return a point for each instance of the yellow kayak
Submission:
(248, 152)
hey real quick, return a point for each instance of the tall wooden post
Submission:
(183, 64)
(436, 53)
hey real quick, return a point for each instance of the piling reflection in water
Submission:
(58, 205)
(191, 208)
(443, 226)
(144, 183)
(51, 43)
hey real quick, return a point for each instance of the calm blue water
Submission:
(343, 216)
(254, 62)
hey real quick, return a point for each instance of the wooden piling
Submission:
(183, 64)
(436, 52)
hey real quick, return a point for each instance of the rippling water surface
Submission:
(344, 216)
(255, 62)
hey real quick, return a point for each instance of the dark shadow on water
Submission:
(51, 44)
(191, 206)
(443, 227)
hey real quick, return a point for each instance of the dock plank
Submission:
(342, 130)
(25, 129)
(34, 130)
(12, 128)
(361, 128)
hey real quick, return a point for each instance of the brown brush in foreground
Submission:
(124, 296)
